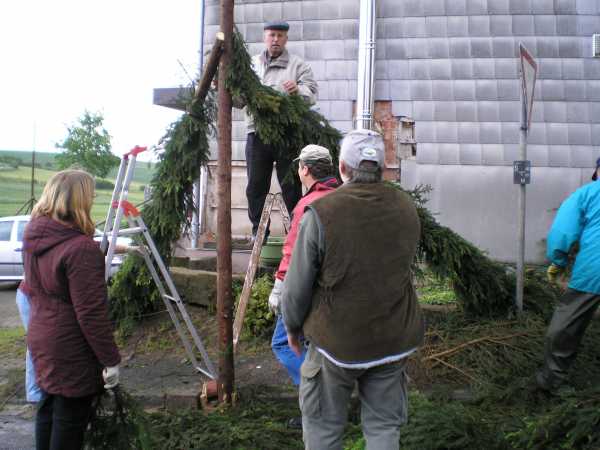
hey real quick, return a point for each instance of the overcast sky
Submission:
(60, 57)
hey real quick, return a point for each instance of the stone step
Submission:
(197, 287)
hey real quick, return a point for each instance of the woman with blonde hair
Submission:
(70, 336)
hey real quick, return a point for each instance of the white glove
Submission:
(111, 377)
(275, 296)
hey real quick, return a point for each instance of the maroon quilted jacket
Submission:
(70, 336)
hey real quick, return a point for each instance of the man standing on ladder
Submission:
(288, 74)
(316, 172)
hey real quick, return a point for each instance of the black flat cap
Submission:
(277, 25)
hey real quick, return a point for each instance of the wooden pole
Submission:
(225, 383)
(209, 71)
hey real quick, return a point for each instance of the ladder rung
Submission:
(205, 372)
(129, 231)
(168, 297)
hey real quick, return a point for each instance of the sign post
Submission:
(522, 168)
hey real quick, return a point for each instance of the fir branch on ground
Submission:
(573, 422)
(255, 422)
(118, 423)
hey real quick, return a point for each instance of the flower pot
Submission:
(270, 254)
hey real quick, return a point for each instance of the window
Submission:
(5, 229)
(20, 230)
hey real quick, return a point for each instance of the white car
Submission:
(11, 245)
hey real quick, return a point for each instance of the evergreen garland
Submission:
(483, 287)
(285, 121)
(186, 148)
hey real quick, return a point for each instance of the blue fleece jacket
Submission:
(578, 220)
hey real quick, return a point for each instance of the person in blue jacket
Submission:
(577, 221)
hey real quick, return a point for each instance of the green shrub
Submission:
(104, 184)
(10, 161)
(259, 320)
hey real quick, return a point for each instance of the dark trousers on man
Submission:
(565, 332)
(259, 164)
(61, 422)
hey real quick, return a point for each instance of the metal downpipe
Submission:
(366, 65)
(199, 194)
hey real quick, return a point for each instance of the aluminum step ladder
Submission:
(121, 208)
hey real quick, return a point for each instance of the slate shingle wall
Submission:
(451, 64)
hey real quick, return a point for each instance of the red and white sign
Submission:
(529, 70)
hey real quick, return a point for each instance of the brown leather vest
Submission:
(364, 305)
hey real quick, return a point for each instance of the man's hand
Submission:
(275, 297)
(294, 343)
(111, 377)
(553, 273)
(290, 86)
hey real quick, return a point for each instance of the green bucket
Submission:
(271, 252)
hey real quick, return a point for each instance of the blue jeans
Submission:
(33, 392)
(284, 353)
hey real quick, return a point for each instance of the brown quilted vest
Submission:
(364, 305)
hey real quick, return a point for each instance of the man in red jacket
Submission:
(316, 172)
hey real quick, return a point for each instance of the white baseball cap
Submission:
(362, 145)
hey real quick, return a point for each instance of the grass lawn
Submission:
(15, 189)
(12, 342)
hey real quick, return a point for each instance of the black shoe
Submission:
(295, 423)
(549, 388)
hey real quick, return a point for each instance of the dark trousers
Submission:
(565, 332)
(259, 164)
(61, 422)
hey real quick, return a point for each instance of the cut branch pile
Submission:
(490, 365)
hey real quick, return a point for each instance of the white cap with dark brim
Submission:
(362, 145)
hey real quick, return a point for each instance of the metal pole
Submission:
(196, 229)
(522, 208)
(202, 203)
(366, 65)
(32, 198)
(224, 294)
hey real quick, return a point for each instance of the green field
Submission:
(143, 170)
(15, 184)
(42, 159)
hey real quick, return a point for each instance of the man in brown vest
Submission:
(349, 290)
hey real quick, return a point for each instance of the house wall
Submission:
(452, 66)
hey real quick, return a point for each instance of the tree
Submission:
(87, 146)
